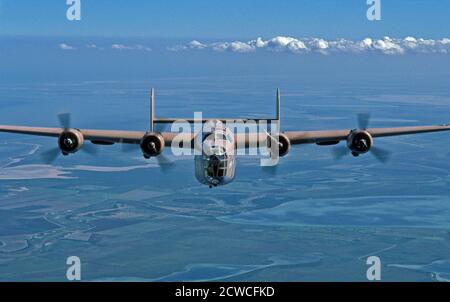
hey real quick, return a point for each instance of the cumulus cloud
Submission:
(65, 46)
(130, 47)
(194, 44)
(197, 45)
(386, 45)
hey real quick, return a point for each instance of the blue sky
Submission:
(120, 39)
(231, 19)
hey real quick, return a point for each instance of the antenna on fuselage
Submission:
(278, 109)
(152, 108)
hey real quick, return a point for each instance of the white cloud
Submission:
(385, 46)
(197, 45)
(120, 46)
(194, 44)
(319, 43)
(388, 46)
(130, 47)
(410, 42)
(281, 43)
(177, 48)
(65, 46)
(366, 43)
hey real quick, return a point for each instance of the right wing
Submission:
(332, 136)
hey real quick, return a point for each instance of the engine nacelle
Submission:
(70, 141)
(152, 144)
(284, 144)
(359, 142)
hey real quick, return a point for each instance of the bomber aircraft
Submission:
(214, 141)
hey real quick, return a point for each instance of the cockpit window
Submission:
(224, 137)
(217, 166)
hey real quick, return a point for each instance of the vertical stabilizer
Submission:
(278, 109)
(152, 108)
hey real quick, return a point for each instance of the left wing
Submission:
(111, 136)
(54, 132)
(97, 136)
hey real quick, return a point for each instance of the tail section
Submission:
(278, 109)
(152, 109)
(154, 120)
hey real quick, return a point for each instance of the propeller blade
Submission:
(273, 146)
(339, 152)
(363, 120)
(89, 149)
(64, 120)
(164, 163)
(381, 155)
(49, 156)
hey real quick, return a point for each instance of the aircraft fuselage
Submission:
(216, 165)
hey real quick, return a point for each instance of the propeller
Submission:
(271, 170)
(380, 154)
(363, 120)
(49, 156)
(64, 120)
(339, 152)
(163, 161)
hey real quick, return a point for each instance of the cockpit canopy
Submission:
(216, 165)
(216, 169)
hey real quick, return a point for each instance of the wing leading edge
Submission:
(315, 137)
(106, 136)
(295, 137)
